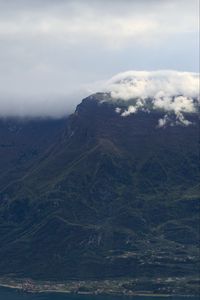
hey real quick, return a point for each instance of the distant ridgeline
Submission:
(111, 191)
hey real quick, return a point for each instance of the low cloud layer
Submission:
(168, 91)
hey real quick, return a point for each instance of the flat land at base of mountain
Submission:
(185, 286)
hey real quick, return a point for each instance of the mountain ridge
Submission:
(106, 200)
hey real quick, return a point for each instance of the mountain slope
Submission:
(113, 197)
(23, 141)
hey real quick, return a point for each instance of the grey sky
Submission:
(52, 51)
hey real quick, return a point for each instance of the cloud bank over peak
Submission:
(170, 91)
(154, 84)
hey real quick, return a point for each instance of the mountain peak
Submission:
(173, 95)
(176, 110)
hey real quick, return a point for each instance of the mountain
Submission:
(102, 196)
(22, 141)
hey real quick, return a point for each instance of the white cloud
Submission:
(154, 84)
(175, 104)
(55, 46)
(162, 122)
(53, 106)
(118, 110)
(169, 91)
(111, 22)
(181, 120)
(112, 33)
(168, 120)
(131, 110)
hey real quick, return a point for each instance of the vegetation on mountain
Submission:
(111, 197)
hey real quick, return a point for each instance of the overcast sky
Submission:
(57, 51)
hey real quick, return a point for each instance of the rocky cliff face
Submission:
(114, 196)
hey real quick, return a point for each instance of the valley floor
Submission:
(183, 286)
